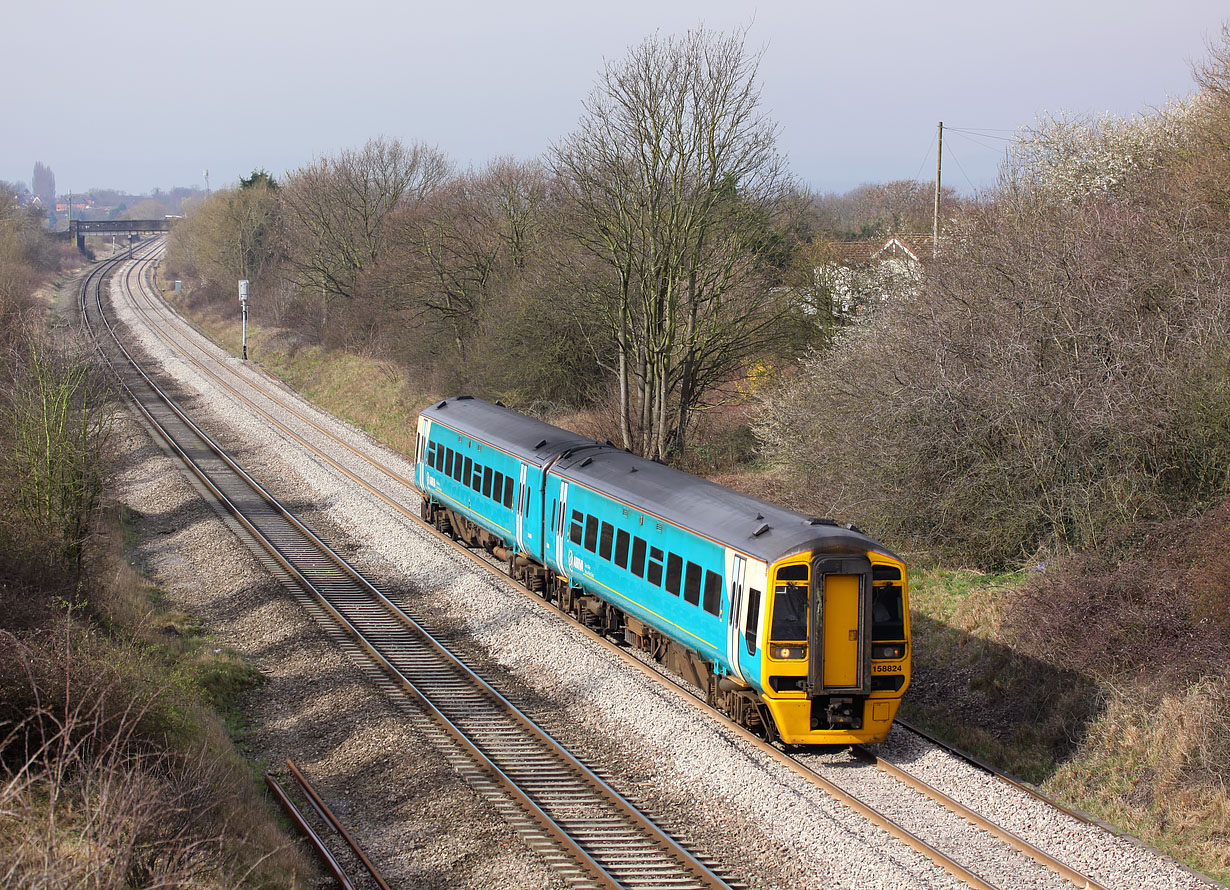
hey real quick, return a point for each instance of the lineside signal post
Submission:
(243, 308)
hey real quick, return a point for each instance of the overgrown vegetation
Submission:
(639, 286)
(116, 767)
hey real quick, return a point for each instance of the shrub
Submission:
(1061, 372)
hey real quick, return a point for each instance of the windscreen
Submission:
(790, 605)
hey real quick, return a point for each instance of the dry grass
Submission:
(117, 768)
(1159, 768)
(109, 782)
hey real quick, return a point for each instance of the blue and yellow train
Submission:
(797, 627)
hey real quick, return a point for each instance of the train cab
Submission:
(835, 660)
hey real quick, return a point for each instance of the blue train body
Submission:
(793, 625)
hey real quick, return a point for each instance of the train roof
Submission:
(756, 527)
(524, 437)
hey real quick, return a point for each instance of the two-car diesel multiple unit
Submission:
(796, 627)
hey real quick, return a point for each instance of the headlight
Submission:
(889, 652)
(789, 652)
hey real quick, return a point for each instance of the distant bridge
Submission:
(79, 228)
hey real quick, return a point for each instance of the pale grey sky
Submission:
(145, 94)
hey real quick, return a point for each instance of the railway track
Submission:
(591, 835)
(1014, 851)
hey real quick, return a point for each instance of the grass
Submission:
(373, 395)
(965, 676)
(1154, 763)
(1159, 770)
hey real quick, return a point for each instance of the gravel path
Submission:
(771, 827)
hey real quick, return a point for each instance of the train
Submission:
(796, 627)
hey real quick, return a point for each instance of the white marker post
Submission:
(243, 307)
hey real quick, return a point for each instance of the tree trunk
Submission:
(625, 419)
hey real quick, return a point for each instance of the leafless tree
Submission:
(453, 246)
(233, 234)
(900, 206)
(675, 183)
(338, 211)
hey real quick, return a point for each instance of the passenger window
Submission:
(654, 575)
(486, 482)
(457, 466)
(508, 491)
(713, 593)
(753, 619)
(638, 557)
(591, 533)
(674, 571)
(691, 585)
(468, 473)
(574, 534)
(605, 540)
(476, 482)
(448, 462)
(621, 548)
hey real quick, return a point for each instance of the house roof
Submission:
(859, 253)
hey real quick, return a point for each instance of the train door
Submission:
(838, 635)
(737, 619)
(523, 497)
(561, 515)
(420, 472)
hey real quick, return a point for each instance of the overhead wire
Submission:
(964, 134)
(926, 158)
(957, 161)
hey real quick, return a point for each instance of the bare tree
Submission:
(519, 191)
(233, 234)
(457, 242)
(900, 206)
(338, 211)
(676, 184)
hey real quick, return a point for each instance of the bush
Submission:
(1148, 608)
(1060, 373)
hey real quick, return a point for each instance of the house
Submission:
(81, 203)
(861, 274)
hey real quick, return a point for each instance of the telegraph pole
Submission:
(935, 219)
